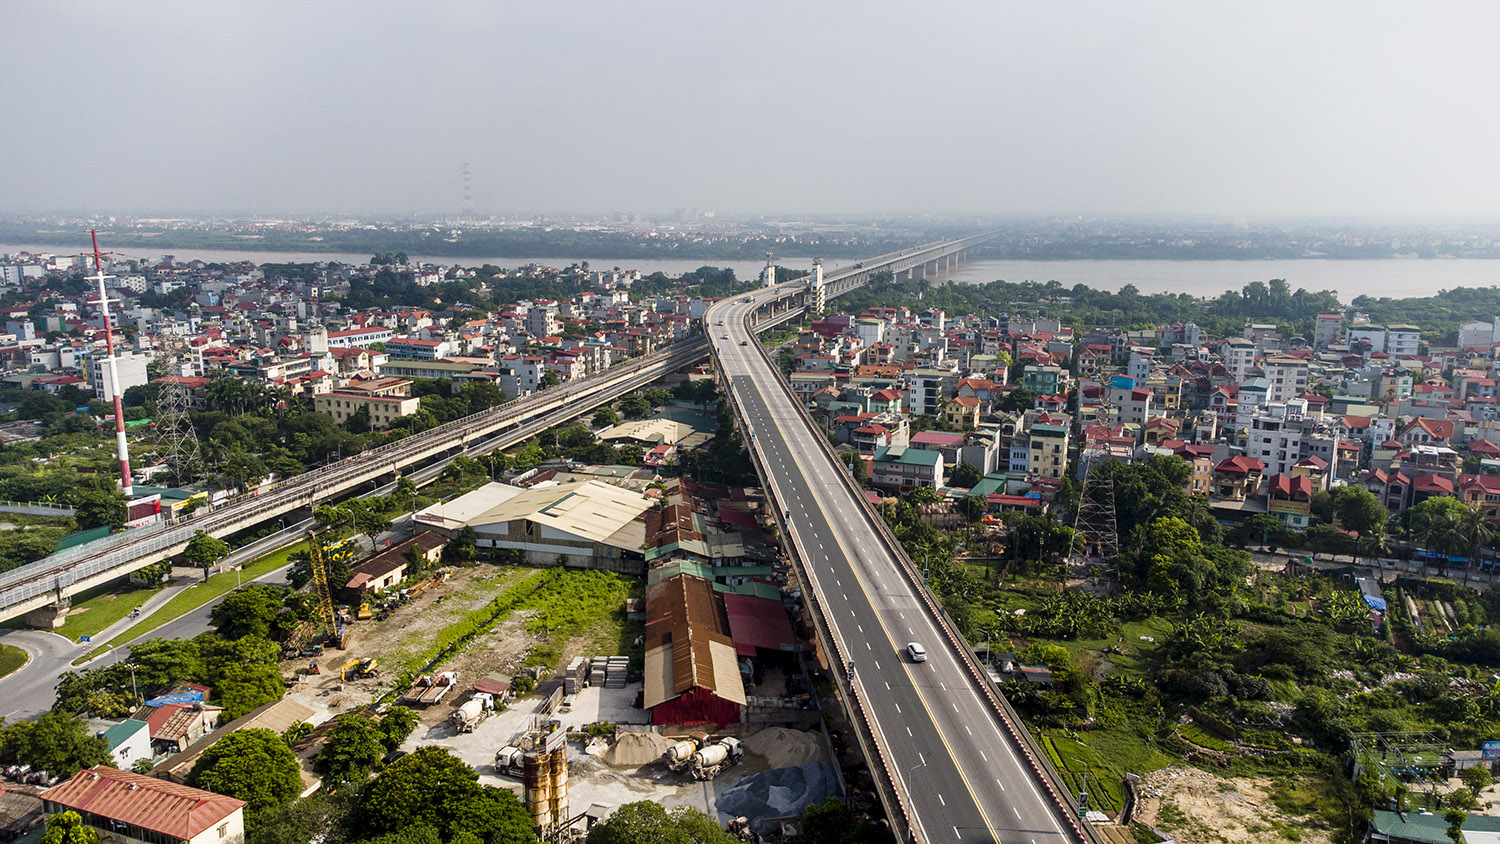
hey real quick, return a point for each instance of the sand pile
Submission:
(786, 748)
(632, 750)
(779, 793)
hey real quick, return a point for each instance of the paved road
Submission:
(964, 778)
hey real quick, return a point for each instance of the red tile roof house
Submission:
(131, 807)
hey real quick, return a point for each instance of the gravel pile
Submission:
(632, 750)
(785, 748)
(778, 793)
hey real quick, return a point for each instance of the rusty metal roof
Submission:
(162, 806)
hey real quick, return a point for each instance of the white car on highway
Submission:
(916, 652)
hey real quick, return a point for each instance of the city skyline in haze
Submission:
(1156, 109)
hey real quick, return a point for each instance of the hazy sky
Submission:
(1112, 108)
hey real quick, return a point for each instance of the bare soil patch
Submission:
(1197, 807)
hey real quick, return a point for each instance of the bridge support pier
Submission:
(49, 617)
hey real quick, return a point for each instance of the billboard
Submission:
(1490, 750)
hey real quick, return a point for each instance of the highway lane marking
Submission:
(861, 627)
(1017, 811)
(942, 801)
(978, 804)
(898, 707)
(982, 756)
(957, 834)
(877, 665)
(999, 783)
(967, 730)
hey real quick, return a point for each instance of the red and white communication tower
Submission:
(126, 486)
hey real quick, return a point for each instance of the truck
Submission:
(679, 755)
(429, 689)
(465, 718)
(713, 758)
(509, 761)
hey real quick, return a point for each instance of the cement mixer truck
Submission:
(679, 755)
(465, 718)
(713, 758)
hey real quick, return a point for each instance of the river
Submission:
(1373, 277)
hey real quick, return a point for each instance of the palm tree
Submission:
(1475, 530)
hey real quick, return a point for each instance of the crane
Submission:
(334, 633)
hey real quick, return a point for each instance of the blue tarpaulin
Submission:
(176, 697)
(1377, 604)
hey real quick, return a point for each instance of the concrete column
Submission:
(49, 617)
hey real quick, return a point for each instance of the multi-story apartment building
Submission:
(1048, 451)
(385, 399)
(1287, 377)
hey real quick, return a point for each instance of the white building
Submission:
(1402, 341)
(131, 367)
(1276, 436)
(1239, 357)
(1287, 377)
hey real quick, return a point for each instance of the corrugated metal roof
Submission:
(683, 623)
(161, 806)
(591, 510)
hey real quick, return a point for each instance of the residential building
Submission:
(901, 468)
(128, 808)
(1048, 451)
(1287, 377)
(383, 399)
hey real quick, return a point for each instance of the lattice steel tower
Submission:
(1096, 530)
(173, 437)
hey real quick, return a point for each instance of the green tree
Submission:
(431, 786)
(162, 662)
(396, 724)
(635, 406)
(645, 822)
(351, 750)
(61, 745)
(965, 475)
(833, 822)
(68, 828)
(204, 550)
(369, 521)
(606, 416)
(1357, 509)
(252, 765)
(240, 689)
(1476, 779)
(247, 611)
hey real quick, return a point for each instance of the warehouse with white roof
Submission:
(591, 524)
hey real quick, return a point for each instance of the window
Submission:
(223, 830)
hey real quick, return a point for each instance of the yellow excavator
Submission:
(359, 669)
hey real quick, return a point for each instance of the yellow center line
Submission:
(906, 667)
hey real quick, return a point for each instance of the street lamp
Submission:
(912, 770)
(1083, 796)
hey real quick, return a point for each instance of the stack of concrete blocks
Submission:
(597, 668)
(573, 678)
(615, 670)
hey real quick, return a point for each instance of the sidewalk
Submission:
(182, 578)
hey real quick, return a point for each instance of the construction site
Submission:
(563, 684)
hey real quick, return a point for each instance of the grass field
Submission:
(196, 596)
(11, 658)
(101, 607)
(462, 614)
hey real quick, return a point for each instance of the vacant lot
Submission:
(1197, 807)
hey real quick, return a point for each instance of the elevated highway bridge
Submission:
(953, 762)
(45, 587)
